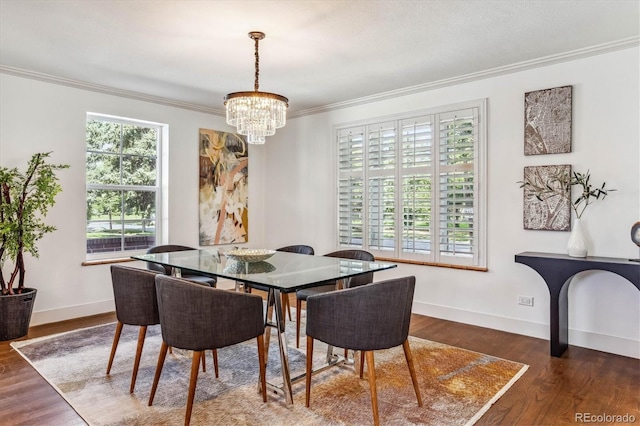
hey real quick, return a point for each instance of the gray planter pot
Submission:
(15, 314)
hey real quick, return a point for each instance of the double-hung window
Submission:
(413, 187)
(123, 184)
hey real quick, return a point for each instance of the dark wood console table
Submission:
(557, 270)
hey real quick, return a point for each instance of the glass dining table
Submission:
(282, 273)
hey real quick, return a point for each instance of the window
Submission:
(413, 187)
(123, 182)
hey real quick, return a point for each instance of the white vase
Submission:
(577, 247)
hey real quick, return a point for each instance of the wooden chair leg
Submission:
(361, 364)
(214, 352)
(161, 357)
(263, 367)
(114, 345)
(372, 384)
(215, 361)
(195, 367)
(298, 316)
(308, 369)
(412, 370)
(141, 335)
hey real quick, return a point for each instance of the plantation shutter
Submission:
(381, 186)
(350, 187)
(456, 184)
(416, 185)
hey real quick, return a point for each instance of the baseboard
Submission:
(586, 339)
(605, 343)
(71, 312)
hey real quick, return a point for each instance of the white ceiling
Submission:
(319, 54)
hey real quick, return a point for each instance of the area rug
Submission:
(457, 385)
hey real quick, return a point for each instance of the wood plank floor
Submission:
(552, 392)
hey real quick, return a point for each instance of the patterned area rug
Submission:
(457, 385)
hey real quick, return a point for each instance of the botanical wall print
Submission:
(547, 213)
(223, 189)
(547, 117)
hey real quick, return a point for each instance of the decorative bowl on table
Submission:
(235, 267)
(250, 255)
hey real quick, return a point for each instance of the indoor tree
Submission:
(25, 199)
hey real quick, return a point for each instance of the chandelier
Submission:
(256, 114)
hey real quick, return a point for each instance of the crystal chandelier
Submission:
(256, 114)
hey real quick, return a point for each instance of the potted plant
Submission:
(25, 199)
(560, 185)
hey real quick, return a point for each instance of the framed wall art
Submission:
(223, 188)
(547, 200)
(547, 118)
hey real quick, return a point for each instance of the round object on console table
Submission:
(635, 233)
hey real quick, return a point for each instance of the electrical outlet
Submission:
(525, 300)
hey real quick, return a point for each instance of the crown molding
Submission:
(47, 78)
(600, 49)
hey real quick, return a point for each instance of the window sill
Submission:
(107, 261)
(440, 265)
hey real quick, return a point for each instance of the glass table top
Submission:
(284, 271)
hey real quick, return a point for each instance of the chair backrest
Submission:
(134, 292)
(371, 317)
(300, 248)
(164, 249)
(197, 317)
(356, 255)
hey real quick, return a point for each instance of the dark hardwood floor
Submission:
(552, 392)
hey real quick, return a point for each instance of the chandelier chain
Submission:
(256, 85)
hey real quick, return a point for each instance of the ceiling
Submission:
(319, 54)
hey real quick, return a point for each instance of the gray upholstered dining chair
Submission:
(197, 318)
(300, 249)
(134, 292)
(210, 281)
(367, 318)
(301, 295)
(200, 279)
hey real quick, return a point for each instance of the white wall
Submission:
(604, 309)
(292, 194)
(37, 116)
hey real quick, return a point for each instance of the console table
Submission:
(557, 270)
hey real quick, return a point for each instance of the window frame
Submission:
(158, 188)
(478, 259)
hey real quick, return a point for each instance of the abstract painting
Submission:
(547, 117)
(223, 188)
(552, 211)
